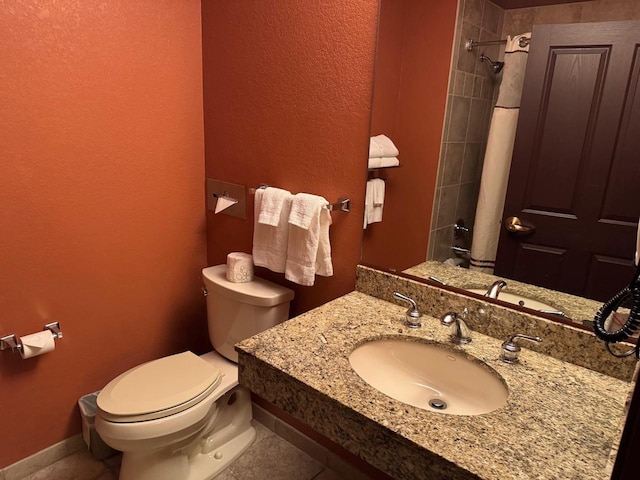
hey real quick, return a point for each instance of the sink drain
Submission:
(438, 404)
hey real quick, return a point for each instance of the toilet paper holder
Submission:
(12, 341)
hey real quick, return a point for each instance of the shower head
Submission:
(496, 67)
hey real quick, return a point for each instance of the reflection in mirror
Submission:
(398, 243)
(563, 307)
(412, 71)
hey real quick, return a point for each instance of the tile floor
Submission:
(270, 457)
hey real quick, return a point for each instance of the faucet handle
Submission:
(511, 350)
(413, 315)
(448, 319)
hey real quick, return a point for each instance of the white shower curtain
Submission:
(497, 158)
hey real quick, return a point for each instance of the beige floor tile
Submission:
(262, 432)
(275, 459)
(107, 475)
(113, 463)
(79, 466)
(225, 475)
(328, 475)
(301, 441)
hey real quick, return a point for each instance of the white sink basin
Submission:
(517, 300)
(429, 376)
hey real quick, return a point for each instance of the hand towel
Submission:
(374, 201)
(270, 241)
(324, 266)
(382, 162)
(309, 248)
(368, 203)
(382, 146)
(271, 206)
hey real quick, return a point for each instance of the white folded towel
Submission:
(271, 206)
(374, 201)
(309, 248)
(382, 146)
(381, 162)
(269, 240)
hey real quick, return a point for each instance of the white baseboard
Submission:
(31, 464)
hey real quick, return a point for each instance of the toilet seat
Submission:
(158, 389)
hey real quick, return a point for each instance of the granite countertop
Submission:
(560, 420)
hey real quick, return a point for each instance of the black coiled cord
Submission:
(631, 325)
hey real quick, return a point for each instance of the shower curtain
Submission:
(497, 159)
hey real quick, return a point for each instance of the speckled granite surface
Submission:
(560, 421)
(577, 308)
(564, 342)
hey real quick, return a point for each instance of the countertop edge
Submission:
(354, 430)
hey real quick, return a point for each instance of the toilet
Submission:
(184, 417)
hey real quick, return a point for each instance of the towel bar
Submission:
(343, 204)
(471, 44)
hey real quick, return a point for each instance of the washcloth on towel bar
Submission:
(374, 201)
(270, 241)
(272, 201)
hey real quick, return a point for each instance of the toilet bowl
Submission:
(184, 417)
(192, 439)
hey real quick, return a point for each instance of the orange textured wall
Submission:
(388, 69)
(102, 223)
(425, 39)
(287, 99)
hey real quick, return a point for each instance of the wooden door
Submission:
(575, 174)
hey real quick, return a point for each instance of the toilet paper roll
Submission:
(239, 267)
(37, 344)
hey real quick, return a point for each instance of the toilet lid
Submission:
(158, 388)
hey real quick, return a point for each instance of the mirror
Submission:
(399, 242)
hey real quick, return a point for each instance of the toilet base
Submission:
(205, 467)
(225, 437)
(167, 466)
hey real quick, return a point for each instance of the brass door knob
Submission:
(515, 225)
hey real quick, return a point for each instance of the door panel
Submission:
(618, 204)
(602, 266)
(576, 164)
(572, 78)
(541, 263)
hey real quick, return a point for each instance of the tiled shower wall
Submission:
(471, 88)
(469, 104)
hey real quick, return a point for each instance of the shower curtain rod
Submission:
(471, 44)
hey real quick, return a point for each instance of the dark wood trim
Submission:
(627, 466)
(510, 4)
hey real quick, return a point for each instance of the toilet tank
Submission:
(236, 311)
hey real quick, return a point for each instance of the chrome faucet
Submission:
(511, 350)
(495, 289)
(412, 317)
(461, 332)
